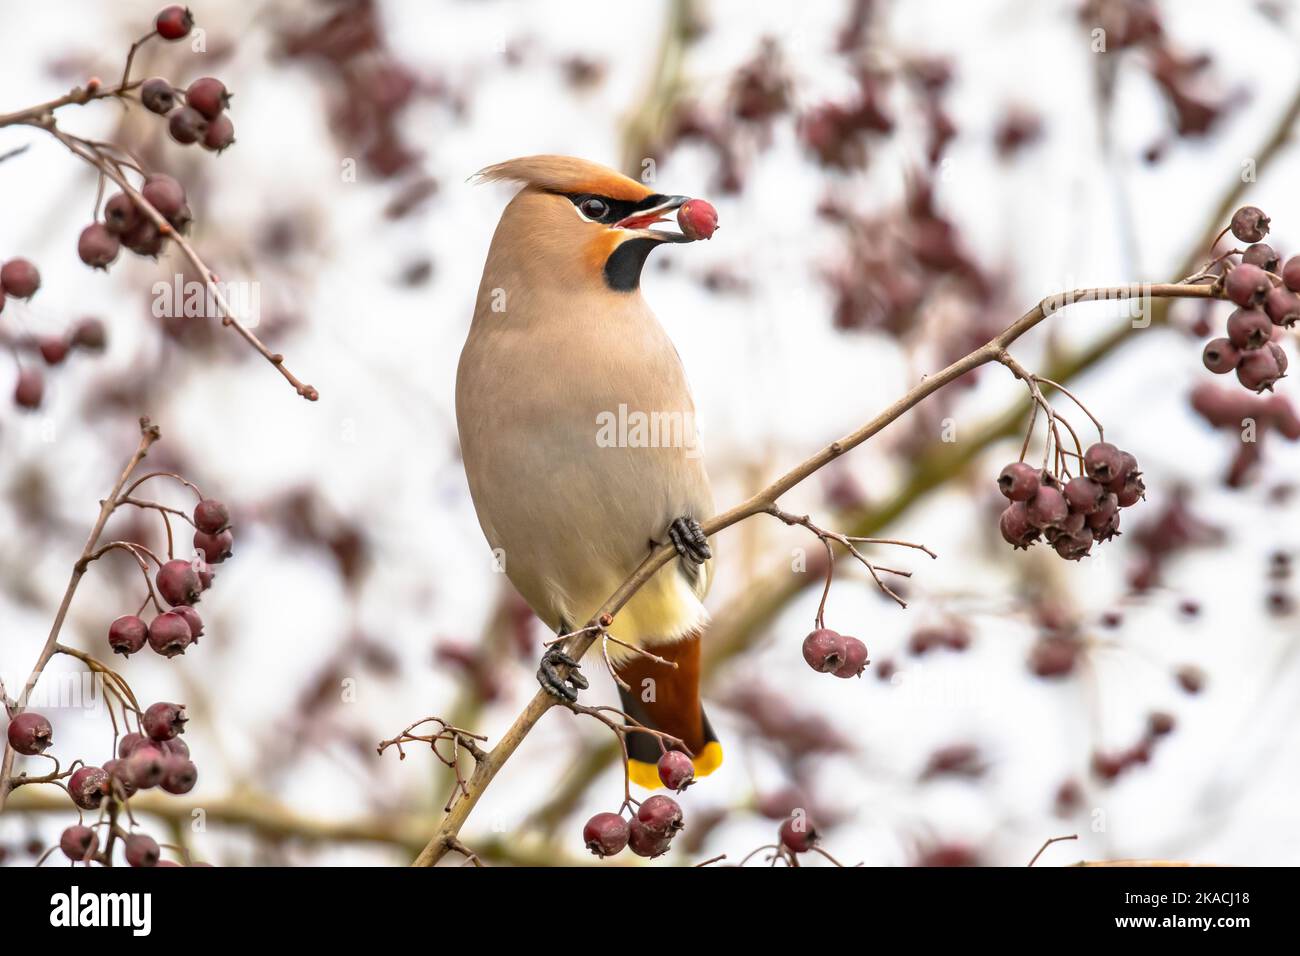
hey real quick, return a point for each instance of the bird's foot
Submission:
(688, 538)
(548, 674)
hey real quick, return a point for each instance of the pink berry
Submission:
(179, 774)
(142, 850)
(1249, 328)
(1249, 224)
(30, 733)
(1220, 356)
(797, 833)
(127, 634)
(87, 785)
(214, 548)
(208, 95)
(20, 278)
(78, 843)
(1015, 526)
(97, 246)
(211, 516)
(676, 770)
(824, 650)
(646, 841)
(170, 634)
(1083, 495)
(1018, 481)
(606, 834)
(1047, 508)
(697, 219)
(1247, 286)
(163, 721)
(661, 814)
(178, 582)
(855, 658)
(173, 22)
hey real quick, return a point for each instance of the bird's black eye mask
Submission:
(605, 210)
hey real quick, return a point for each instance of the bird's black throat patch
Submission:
(623, 267)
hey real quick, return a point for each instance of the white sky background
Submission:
(773, 383)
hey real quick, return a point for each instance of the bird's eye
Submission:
(594, 208)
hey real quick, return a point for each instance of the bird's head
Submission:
(579, 222)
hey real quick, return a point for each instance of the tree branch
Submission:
(148, 435)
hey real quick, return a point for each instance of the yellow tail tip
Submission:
(647, 774)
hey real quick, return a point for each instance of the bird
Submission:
(563, 367)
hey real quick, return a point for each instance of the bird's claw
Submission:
(688, 538)
(548, 675)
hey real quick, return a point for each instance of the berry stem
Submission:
(149, 434)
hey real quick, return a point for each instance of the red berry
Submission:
(174, 22)
(127, 634)
(1283, 307)
(20, 278)
(144, 238)
(646, 841)
(1249, 224)
(220, 134)
(1220, 356)
(97, 246)
(178, 582)
(1083, 495)
(142, 850)
(78, 843)
(214, 548)
(89, 334)
(1247, 286)
(1016, 527)
(1047, 508)
(855, 658)
(1102, 461)
(606, 834)
(797, 833)
(179, 774)
(1263, 255)
(165, 194)
(697, 219)
(170, 634)
(1291, 274)
(145, 768)
(163, 721)
(174, 746)
(187, 125)
(661, 814)
(1258, 370)
(53, 349)
(158, 96)
(207, 95)
(120, 213)
(676, 770)
(1159, 724)
(116, 770)
(87, 785)
(824, 650)
(1249, 328)
(130, 743)
(191, 618)
(1074, 546)
(211, 516)
(1019, 481)
(30, 733)
(30, 388)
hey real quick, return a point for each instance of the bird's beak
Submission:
(642, 219)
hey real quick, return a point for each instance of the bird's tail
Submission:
(667, 699)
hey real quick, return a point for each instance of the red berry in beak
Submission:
(697, 219)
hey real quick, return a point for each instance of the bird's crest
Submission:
(565, 174)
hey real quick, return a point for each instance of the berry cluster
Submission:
(649, 833)
(155, 756)
(202, 119)
(20, 279)
(1072, 515)
(829, 652)
(180, 584)
(1266, 300)
(126, 224)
